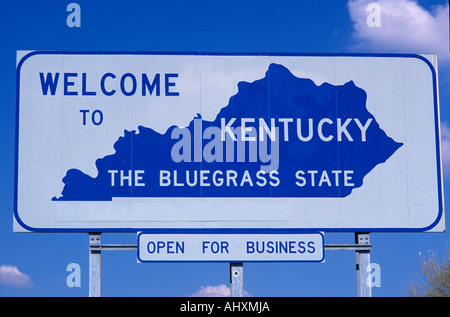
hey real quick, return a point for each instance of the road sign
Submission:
(116, 141)
(307, 247)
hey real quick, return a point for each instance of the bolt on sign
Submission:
(117, 141)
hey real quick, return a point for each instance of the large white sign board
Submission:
(132, 141)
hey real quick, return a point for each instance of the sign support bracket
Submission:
(363, 283)
(361, 247)
(95, 260)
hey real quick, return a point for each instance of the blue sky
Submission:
(34, 264)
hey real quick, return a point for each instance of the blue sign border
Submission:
(223, 230)
(229, 233)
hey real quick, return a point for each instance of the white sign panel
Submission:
(230, 247)
(132, 141)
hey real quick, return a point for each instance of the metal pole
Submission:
(95, 260)
(363, 285)
(236, 280)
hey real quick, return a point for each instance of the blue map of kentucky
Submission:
(279, 136)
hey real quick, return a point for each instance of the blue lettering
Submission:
(301, 248)
(84, 115)
(180, 247)
(168, 84)
(68, 83)
(311, 247)
(133, 86)
(152, 86)
(151, 247)
(83, 87)
(260, 249)
(102, 84)
(108, 85)
(223, 246)
(170, 247)
(94, 121)
(278, 247)
(49, 82)
(215, 246)
(250, 247)
(291, 247)
(205, 245)
(160, 245)
(283, 247)
(270, 248)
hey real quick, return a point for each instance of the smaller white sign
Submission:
(308, 247)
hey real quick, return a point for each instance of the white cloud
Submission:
(215, 291)
(10, 275)
(405, 27)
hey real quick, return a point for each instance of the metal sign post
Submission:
(95, 260)
(363, 288)
(95, 257)
(361, 247)
(236, 279)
